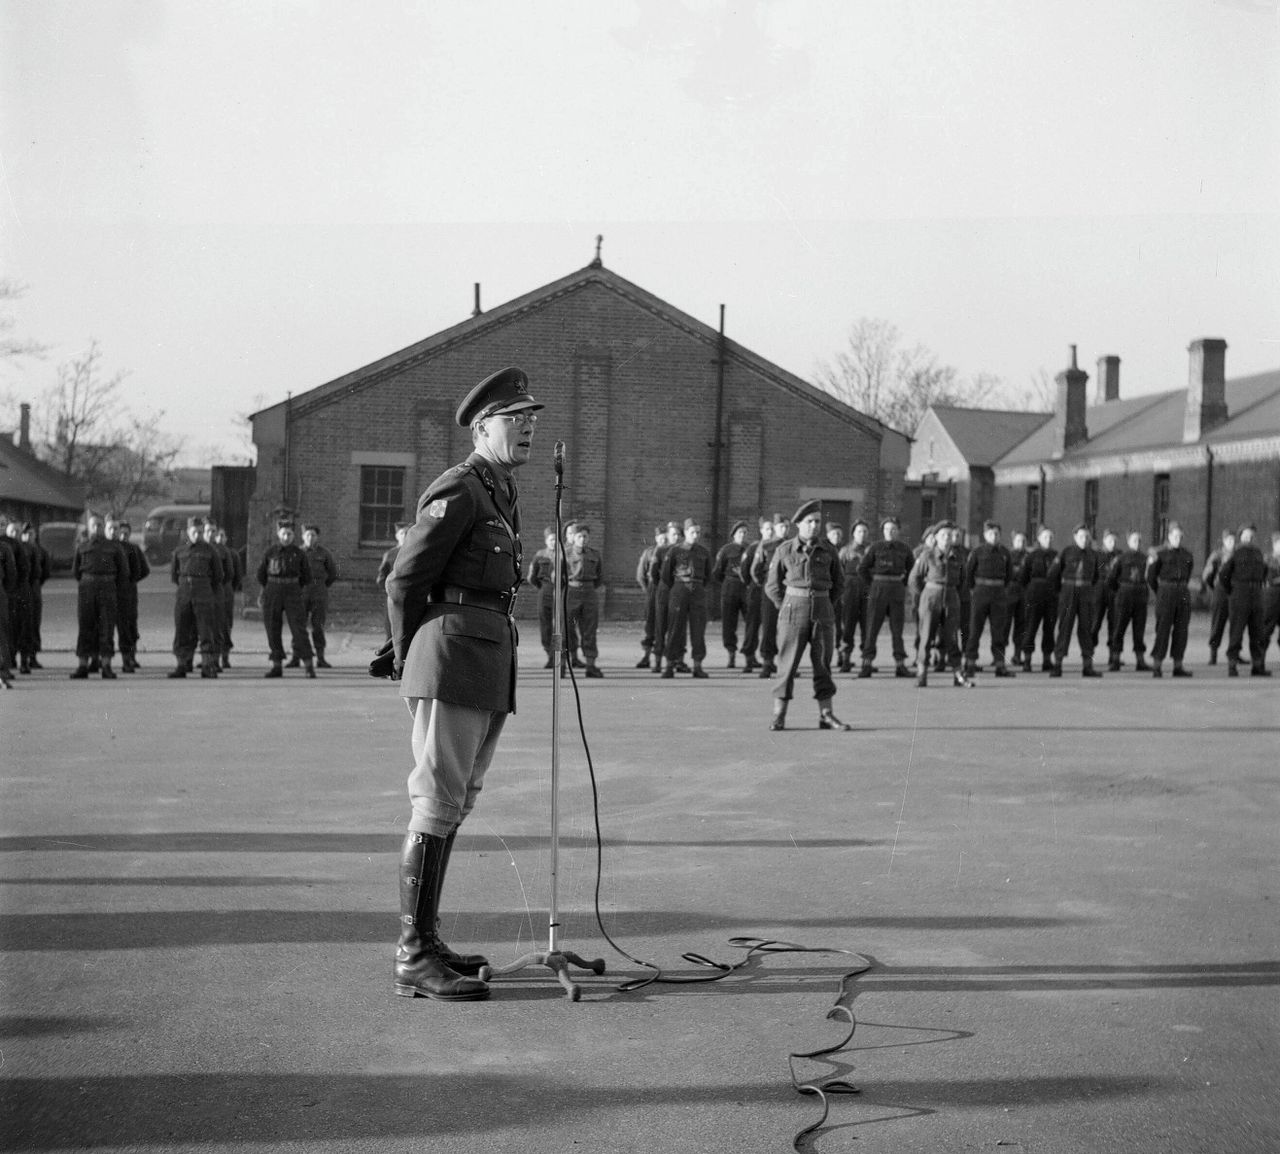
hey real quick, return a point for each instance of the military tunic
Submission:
(1242, 575)
(101, 569)
(988, 573)
(803, 584)
(884, 569)
(283, 574)
(733, 600)
(1041, 602)
(196, 570)
(1168, 577)
(687, 569)
(584, 574)
(936, 578)
(1073, 577)
(1127, 578)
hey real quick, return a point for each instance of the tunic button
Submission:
(497, 548)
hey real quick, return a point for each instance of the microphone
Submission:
(558, 456)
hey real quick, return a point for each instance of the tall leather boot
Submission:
(420, 967)
(321, 663)
(779, 720)
(465, 964)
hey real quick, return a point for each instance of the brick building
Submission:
(636, 389)
(1207, 456)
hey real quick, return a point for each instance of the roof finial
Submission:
(598, 263)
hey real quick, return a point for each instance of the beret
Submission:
(944, 525)
(692, 523)
(736, 526)
(506, 391)
(407, 525)
(989, 525)
(858, 522)
(833, 525)
(1248, 525)
(808, 509)
(1176, 525)
(283, 523)
(312, 528)
(1080, 525)
(890, 521)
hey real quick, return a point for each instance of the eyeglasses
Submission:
(515, 418)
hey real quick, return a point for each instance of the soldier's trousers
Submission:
(283, 600)
(650, 618)
(582, 619)
(768, 630)
(938, 613)
(962, 621)
(127, 618)
(20, 618)
(1075, 607)
(733, 605)
(1219, 615)
(686, 620)
(661, 607)
(1130, 610)
(315, 601)
(853, 610)
(547, 617)
(1103, 613)
(1042, 608)
(1173, 618)
(228, 616)
(6, 652)
(37, 617)
(95, 617)
(195, 620)
(1246, 613)
(1270, 615)
(885, 599)
(751, 629)
(1015, 618)
(986, 610)
(805, 621)
(452, 748)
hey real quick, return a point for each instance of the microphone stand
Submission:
(553, 957)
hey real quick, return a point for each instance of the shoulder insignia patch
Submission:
(436, 508)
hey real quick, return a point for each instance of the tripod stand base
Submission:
(557, 961)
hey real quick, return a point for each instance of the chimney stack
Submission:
(1206, 388)
(475, 312)
(1069, 429)
(1108, 379)
(24, 428)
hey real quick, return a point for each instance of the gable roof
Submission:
(1155, 421)
(983, 436)
(28, 481)
(592, 276)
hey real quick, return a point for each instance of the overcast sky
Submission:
(239, 199)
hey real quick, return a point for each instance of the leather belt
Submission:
(1078, 584)
(939, 585)
(574, 585)
(793, 592)
(97, 576)
(691, 581)
(283, 580)
(993, 581)
(499, 601)
(887, 577)
(1179, 584)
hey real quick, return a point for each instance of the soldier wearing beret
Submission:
(451, 599)
(727, 570)
(853, 595)
(687, 570)
(1128, 580)
(315, 597)
(101, 570)
(1072, 577)
(584, 569)
(541, 576)
(232, 583)
(1041, 602)
(988, 572)
(648, 592)
(41, 571)
(1169, 578)
(1015, 604)
(387, 564)
(753, 593)
(127, 611)
(196, 570)
(936, 577)
(662, 593)
(20, 608)
(803, 584)
(1103, 597)
(1242, 575)
(768, 609)
(1218, 608)
(8, 582)
(884, 570)
(283, 573)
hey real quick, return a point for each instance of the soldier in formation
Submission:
(284, 574)
(101, 571)
(196, 570)
(127, 610)
(686, 571)
(727, 570)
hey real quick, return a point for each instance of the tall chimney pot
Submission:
(1108, 379)
(475, 312)
(1206, 388)
(1069, 426)
(24, 427)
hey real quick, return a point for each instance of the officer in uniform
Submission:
(936, 577)
(8, 582)
(127, 610)
(1073, 577)
(643, 567)
(853, 597)
(753, 592)
(315, 597)
(232, 583)
(727, 570)
(451, 597)
(20, 598)
(41, 571)
(542, 577)
(196, 570)
(1103, 608)
(386, 565)
(102, 570)
(1169, 576)
(1041, 603)
(1242, 575)
(686, 569)
(662, 593)
(584, 567)
(988, 573)
(284, 573)
(884, 570)
(768, 609)
(1127, 578)
(1218, 608)
(803, 584)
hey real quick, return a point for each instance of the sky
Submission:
(246, 199)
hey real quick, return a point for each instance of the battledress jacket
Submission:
(466, 537)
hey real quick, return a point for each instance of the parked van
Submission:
(61, 539)
(167, 526)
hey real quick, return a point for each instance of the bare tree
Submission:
(78, 413)
(132, 465)
(11, 347)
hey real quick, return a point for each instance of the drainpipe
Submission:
(718, 442)
(288, 416)
(1044, 497)
(1208, 503)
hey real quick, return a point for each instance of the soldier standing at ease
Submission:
(884, 571)
(988, 572)
(960, 546)
(1169, 576)
(283, 574)
(1072, 577)
(753, 592)
(1041, 605)
(315, 597)
(835, 538)
(8, 582)
(232, 583)
(1218, 609)
(542, 577)
(1242, 575)
(1128, 580)
(1103, 607)
(643, 566)
(585, 574)
(853, 596)
(102, 570)
(20, 598)
(1271, 597)
(197, 572)
(127, 610)
(936, 578)
(41, 571)
(687, 569)
(385, 567)
(733, 602)
(1015, 603)
(662, 594)
(768, 609)
(803, 584)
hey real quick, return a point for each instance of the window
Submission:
(1033, 511)
(381, 503)
(1091, 504)
(1160, 509)
(927, 513)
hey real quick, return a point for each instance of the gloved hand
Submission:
(384, 663)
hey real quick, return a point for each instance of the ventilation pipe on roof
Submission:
(475, 312)
(24, 428)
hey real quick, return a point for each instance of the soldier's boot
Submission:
(31, 661)
(108, 674)
(779, 719)
(24, 663)
(293, 662)
(961, 679)
(1180, 670)
(900, 670)
(1259, 670)
(750, 664)
(1156, 671)
(178, 671)
(209, 667)
(421, 968)
(1088, 669)
(95, 665)
(670, 671)
(657, 662)
(922, 675)
(226, 659)
(1213, 655)
(1233, 667)
(1002, 670)
(1113, 666)
(827, 719)
(593, 670)
(865, 671)
(1026, 663)
(733, 659)
(275, 670)
(767, 671)
(127, 663)
(321, 663)
(1055, 668)
(643, 663)
(1047, 665)
(1140, 666)
(466, 964)
(699, 672)
(682, 666)
(844, 665)
(309, 669)
(81, 671)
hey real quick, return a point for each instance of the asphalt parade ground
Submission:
(1064, 892)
